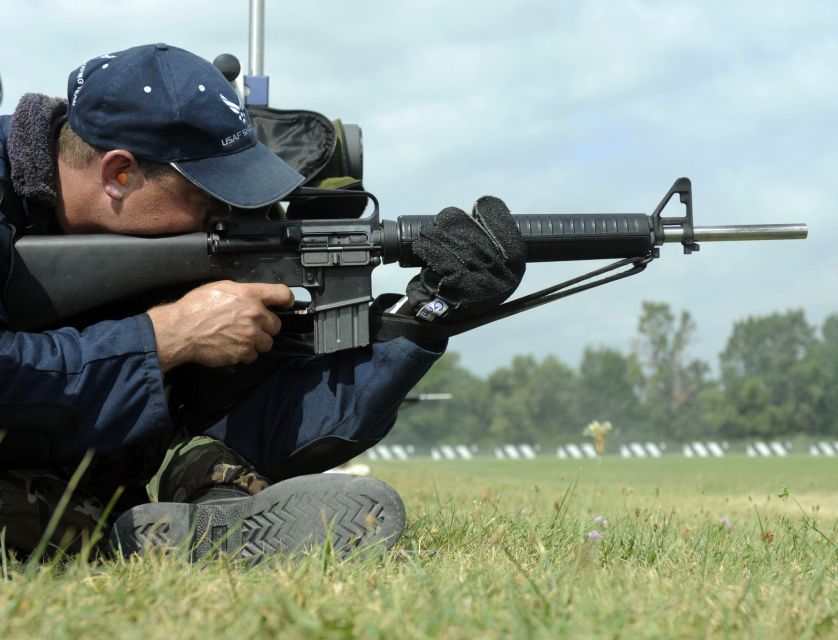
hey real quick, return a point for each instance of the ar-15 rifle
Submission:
(58, 278)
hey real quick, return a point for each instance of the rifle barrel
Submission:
(739, 232)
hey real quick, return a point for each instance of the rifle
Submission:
(58, 279)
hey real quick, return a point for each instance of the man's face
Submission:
(167, 205)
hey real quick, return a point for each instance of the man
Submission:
(151, 141)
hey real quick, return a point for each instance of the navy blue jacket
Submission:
(109, 378)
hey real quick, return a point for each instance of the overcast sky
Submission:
(555, 106)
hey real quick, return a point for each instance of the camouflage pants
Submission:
(27, 501)
(29, 498)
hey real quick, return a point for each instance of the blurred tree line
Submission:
(778, 377)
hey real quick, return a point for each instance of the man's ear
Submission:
(119, 173)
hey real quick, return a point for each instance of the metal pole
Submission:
(738, 232)
(257, 37)
(255, 81)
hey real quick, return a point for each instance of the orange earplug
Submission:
(122, 178)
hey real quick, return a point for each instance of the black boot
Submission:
(288, 517)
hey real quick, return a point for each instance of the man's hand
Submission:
(474, 262)
(218, 324)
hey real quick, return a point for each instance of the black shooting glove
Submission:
(474, 262)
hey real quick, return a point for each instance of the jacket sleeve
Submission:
(346, 398)
(107, 376)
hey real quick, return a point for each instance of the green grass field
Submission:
(692, 548)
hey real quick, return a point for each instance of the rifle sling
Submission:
(384, 326)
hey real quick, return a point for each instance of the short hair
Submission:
(78, 154)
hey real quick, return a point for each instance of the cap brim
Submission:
(252, 178)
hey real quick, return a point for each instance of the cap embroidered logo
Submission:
(235, 108)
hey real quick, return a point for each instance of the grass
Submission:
(496, 549)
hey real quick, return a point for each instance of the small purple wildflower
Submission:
(726, 523)
(601, 522)
(594, 536)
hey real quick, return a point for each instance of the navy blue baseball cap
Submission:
(167, 105)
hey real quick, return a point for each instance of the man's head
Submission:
(158, 105)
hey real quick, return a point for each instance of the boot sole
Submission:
(289, 518)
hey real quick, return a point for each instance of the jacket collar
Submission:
(31, 146)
